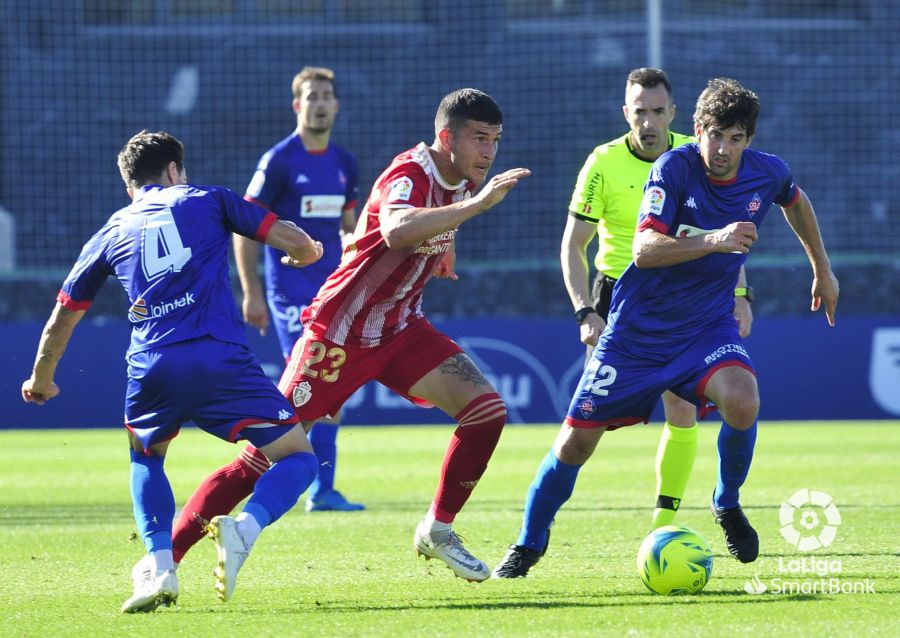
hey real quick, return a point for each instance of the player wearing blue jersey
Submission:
(188, 358)
(670, 321)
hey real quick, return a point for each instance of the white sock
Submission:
(434, 525)
(248, 528)
(162, 561)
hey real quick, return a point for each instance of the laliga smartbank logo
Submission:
(809, 521)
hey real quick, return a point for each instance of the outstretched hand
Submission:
(496, 188)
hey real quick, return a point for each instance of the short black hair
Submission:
(648, 77)
(146, 155)
(725, 103)
(466, 104)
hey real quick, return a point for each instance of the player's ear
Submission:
(175, 175)
(625, 112)
(445, 136)
(295, 104)
(697, 130)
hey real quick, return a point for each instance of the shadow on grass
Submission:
(528, 600)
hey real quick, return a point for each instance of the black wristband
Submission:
(745, 291)
(582, 314)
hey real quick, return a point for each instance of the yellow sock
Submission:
(674, 461)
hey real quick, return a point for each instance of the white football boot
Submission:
(150, 591)
(447, 546)
(231, 550)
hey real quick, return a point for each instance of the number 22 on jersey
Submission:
(599, 377)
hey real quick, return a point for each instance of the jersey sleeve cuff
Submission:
(583, 217)
(70, 304)
(794, 199)
(265, 226)
(655, 224)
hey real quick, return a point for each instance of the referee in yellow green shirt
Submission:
(605, 203)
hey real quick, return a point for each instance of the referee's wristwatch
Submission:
(747, 292)
(582, 314)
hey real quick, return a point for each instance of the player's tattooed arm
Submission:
(463, 367)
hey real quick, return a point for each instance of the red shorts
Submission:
(322, 374)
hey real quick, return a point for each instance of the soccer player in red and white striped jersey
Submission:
(366, 323)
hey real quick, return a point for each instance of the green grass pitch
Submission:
(67, 545)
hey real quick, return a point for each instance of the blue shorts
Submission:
(219, 386)
(618, 390)
(286, 318)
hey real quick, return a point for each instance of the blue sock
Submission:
(154, 503)
(552, 486)
(324, 442)
(279, 488)
(735, 455)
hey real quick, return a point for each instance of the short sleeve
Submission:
(244, 217)
(87, 275)
(406, 186)
(351, 195)
(659, 204)
(267, 183)
(790, 192)
(586, 203)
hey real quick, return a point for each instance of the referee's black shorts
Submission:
(601, 294)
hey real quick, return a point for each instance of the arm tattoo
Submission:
(462, 366)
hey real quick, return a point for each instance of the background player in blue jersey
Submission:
(188, 358)
(315, 184)
(309, 181)
(670, 321)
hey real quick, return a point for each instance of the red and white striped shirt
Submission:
(376, 292)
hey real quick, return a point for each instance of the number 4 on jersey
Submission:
(161, 248)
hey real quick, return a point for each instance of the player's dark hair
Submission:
(146, 155)
(466, 104)
(725, 103)
(309, 73)
(648, 77)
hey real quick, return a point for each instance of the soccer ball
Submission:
(674, 560)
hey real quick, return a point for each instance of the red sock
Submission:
(466, 459)
(218, 494)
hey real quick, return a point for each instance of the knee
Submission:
(740, 411)
(575, 446)
(574, 453)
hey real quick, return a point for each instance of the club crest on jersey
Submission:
(653, 202)
(587, 407)
(302, 393)
(754, 205)
(400, 190)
